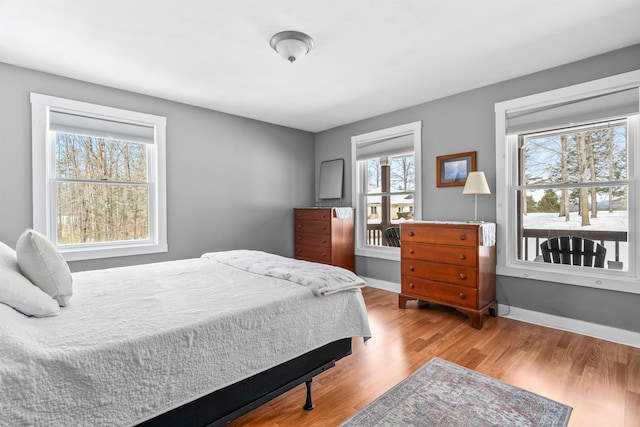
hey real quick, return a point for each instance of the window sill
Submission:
(97, 252)
(612, 280)
(392, 254)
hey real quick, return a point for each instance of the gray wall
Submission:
(231, 182)
(466, 122)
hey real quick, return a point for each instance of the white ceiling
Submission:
(371, 56)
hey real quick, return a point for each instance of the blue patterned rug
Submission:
(444, 394)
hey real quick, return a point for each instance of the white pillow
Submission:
(41, 263)
(18, 292)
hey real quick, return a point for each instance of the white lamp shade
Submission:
(476, 184)
(291, 45)
(291, 49)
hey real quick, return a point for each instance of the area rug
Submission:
(441, 393)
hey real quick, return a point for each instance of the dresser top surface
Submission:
(321, 207)
(476, 224)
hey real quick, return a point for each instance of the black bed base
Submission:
(225, 405)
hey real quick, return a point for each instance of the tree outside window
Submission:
(386, 185)
(99, 178)
(573, 182)
(567, 163)
(390, 194)
(102, 193)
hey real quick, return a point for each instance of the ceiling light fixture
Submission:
(291, 45)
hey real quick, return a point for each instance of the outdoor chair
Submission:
(574, 251)
(392, 236)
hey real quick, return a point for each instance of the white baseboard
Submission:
(608, 333)
(382, 284)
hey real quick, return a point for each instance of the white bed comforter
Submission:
(137, 341)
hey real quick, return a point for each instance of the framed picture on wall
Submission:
(452, 170)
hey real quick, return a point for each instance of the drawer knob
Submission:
(463, 295)
(324, 240)
(411, 285)
(463, 237)
(462, 256)
(411, 251)
(463, 276)
(411, 268)
(411, 233)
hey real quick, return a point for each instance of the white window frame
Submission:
(506, 180)
(358, 186)
(43, 173)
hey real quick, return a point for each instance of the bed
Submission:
(190, 342)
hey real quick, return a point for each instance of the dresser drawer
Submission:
(313, 253)
(463, 236)
(317, 214)
(460, 275)
(324, 235)
(309, 226)
(313, 239)
(457, 255)
(439, 292)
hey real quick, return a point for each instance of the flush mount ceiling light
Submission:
(291, 45)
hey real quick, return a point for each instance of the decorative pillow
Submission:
(41, 263)
(18, 292)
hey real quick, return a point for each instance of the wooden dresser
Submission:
(325, 235)
(450, 264)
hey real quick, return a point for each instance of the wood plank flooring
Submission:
(599, 379)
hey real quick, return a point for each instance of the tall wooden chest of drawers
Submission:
(450, 264)
(325, 235)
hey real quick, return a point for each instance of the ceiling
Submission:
(370, 57)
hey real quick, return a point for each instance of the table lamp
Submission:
(476, 184)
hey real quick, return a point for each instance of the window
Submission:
(386, 177)
(98, 178)
(569, 169)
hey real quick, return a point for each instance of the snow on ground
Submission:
(614, 221)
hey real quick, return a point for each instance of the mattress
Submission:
(137, 341)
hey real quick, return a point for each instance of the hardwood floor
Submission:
(599, 379)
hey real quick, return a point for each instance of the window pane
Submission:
(386, 207)
(89, 158)
(399, 208)
(402, 173)
(586, 154)
(89, 213)
(374, 176)
(572, 212)
(596, 153)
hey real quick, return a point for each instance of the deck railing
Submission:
(374, 235)
(608, 239)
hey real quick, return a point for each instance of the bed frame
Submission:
(222, 406)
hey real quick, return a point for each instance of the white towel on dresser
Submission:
(489, 234)
(343, 213)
